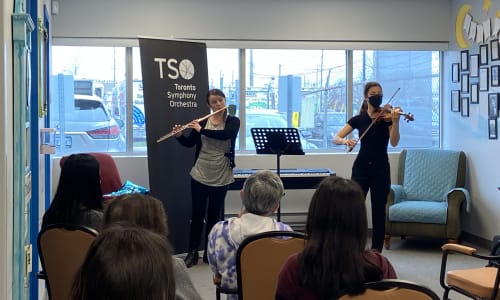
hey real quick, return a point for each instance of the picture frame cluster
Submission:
(475, 77)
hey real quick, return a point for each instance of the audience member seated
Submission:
(124, 263)
(78, 198)
(335, 259)
(148, 212)
(261, 195)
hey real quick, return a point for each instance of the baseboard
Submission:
(297, 222)
(475, 240)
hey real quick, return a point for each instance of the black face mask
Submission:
(375, 100)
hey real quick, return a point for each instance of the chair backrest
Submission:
(110, 177)
(259, 260)
(62, 249)
(394, 289)
(429, 174)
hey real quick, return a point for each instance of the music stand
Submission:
(277, 141)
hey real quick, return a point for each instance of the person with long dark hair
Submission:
(371, 169)
(126, 263)
(335, 259)
(212, 171)
(148, 212)
(78, 198)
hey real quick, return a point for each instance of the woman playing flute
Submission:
(212, 171)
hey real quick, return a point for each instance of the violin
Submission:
(385, 113)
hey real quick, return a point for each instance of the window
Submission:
(83, 108)
(222, 74)
(299, 87)
(417, 75)
(305, 89)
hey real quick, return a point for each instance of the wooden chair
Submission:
(476, 283)
(259, 260)
(62, 249)
(394, 289)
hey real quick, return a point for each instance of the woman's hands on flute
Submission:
(177, 129)
(195, 125)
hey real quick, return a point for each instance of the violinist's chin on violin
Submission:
(386, 113)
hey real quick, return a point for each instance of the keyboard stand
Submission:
(277, 141)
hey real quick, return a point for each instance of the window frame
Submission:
(129, 63)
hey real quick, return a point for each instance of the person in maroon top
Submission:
(335, 259)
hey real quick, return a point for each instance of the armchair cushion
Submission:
(419, 212)
(430, 174)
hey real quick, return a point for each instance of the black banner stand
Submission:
(277, 141)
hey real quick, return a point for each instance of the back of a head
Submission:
(338, 210)
(334, 256)
(79, 187)
(126, 263)
(137, 209)
(80, 169)
(262, 192)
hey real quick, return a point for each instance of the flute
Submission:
(173, 132)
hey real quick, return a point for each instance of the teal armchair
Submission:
(429, 195)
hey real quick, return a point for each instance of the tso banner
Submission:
(175, 84)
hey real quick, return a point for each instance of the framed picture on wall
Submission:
(483, 79)
(474, 93)
(494, 75)
(492, 129)
(455, 100)
(495, 55)
(493, 105)
(483, 55)
(474, 65)
(465, 83)
(464, 60)
(465, 106)
(455, 72)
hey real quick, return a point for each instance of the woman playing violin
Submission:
(377, 126)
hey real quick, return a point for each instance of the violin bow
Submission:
(373, 122)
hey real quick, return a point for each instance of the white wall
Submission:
(471, 135)
(341, 21)
(295, 201)
(6, 155)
